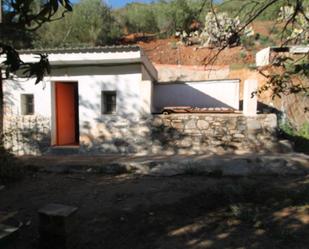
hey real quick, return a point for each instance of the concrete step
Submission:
(63, 150)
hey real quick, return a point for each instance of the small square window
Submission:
(108, 102)
(27, 104)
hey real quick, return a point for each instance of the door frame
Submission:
(54, 131)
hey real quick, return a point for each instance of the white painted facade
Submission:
(133, 95)
(12, 96)
(212, 93)
(129, 74)
(138, 94)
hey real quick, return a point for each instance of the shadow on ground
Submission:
(185, 212)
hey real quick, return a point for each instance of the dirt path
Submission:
(182, 212)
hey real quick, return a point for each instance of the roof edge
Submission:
(98, 49)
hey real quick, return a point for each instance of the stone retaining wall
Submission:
(156, 134)
(196, 133)
(27, 135)
(185, 134)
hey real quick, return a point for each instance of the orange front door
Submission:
(66, 113)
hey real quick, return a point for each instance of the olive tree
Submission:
(21, 16)
(294, 15)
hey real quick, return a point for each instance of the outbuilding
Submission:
(108, 100)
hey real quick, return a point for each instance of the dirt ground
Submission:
(183, 212)
(166, 51)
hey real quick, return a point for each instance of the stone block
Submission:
(202, 124)
(191, 124)
(219, 132)
(226, 138)
(253, 124)
(166, 122)
(216, 124)
(216, 142)
(56, 226)
(186, 142)
(242, 127)
(177, 124)
(209, 133)
(239, 136)
(231, 124)
(285, 146)
(209, 118)
(157, 122)
(270, 121)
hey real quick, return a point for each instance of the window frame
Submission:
(24, 98)
(104, 104)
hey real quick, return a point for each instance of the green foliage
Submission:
(181, 14)
(301, 67)
(31, 14)
(266, 41)
(248, 42)
(91, 23)
(162, 16)
(243, 54)
(304, 131)
(234, 9)
(22, 17)
(286, 127)
(300, 136)
(138, 17)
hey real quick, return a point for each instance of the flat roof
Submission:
(97, 49)
(104, 55)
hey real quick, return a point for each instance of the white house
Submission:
(100, 100)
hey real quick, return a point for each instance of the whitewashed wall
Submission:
(14, 88)
(127, 84)
(29, 134)
(217, 93)
(133, 98)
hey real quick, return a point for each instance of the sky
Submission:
(119, 3)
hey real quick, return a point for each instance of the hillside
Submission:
(233, 63)
(171, 51)
(167, 51)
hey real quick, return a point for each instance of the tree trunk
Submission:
(1, 89)
(1, 107)
(0, 11)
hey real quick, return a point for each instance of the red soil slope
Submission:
(169, 51)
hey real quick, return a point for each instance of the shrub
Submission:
(304, 131)
(247, 42)
(266, 41)
(10, 167)
(174, 45)
(243, 54)
(300, 137)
